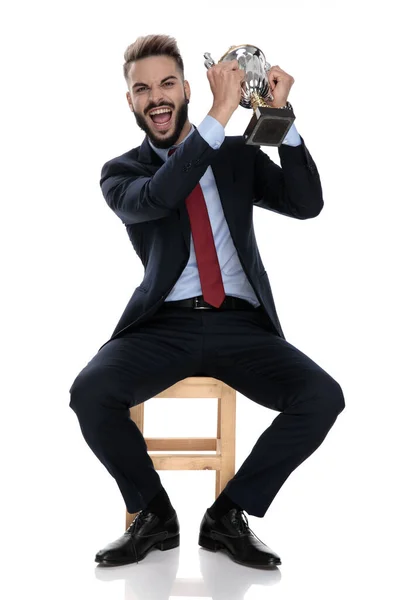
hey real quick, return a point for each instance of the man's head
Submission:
(154, 74)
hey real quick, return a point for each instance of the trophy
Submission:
(268, 126)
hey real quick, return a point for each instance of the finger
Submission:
(271, 80)
(278, 73)
(275, 76)
(230, 64)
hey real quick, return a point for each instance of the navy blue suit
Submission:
(153, 346)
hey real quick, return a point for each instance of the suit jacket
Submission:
(148, 195)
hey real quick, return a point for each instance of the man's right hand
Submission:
(225, 80)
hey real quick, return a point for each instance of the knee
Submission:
(325, 396)
(84, 391)
(334, 401)
(77, 391)
(96, 396)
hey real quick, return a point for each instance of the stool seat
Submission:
(223, 445)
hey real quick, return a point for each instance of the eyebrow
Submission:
(162, 81)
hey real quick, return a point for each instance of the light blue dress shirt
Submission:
(234, 278)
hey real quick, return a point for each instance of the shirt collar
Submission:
(163, 152)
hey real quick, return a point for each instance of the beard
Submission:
(162, 139)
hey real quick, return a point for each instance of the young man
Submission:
(186, 198)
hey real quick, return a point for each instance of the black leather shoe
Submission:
(146, 531)
(232, 535)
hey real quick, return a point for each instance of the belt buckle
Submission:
(196, 304)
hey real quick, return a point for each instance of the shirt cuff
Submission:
(292, 137)
(212, 131)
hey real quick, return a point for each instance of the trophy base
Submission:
(268, 126)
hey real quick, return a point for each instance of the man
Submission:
(186, 198)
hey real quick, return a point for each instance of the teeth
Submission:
(160, 110)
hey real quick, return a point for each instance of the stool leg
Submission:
(226, 433)
(218, 489)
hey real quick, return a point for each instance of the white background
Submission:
(68, 271)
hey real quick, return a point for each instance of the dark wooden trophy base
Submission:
(269, 126)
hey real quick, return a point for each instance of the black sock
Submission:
(222, 505)
(161, 504)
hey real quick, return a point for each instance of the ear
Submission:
(128, 97)
(187, 88)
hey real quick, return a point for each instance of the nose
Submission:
(155, 95)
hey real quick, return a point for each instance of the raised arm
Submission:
(292, 189)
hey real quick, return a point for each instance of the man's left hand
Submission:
(280, 83)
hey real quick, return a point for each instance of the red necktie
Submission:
(203, 241)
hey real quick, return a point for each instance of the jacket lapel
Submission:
(224, 179)
(148, 157)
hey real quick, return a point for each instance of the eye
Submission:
(166, 83)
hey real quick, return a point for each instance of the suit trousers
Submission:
(238, 347)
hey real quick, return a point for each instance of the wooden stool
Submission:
(223, 461)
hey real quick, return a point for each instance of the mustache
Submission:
(159, 106)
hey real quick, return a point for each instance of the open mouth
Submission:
(162, 120)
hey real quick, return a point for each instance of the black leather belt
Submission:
(229, 303)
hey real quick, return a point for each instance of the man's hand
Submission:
(280, 83)
(225, 80)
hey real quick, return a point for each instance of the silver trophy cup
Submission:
(268, 126)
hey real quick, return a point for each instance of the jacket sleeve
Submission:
(136, 198)
(293, 189)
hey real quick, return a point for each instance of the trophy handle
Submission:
(209, 62)
(268, 95)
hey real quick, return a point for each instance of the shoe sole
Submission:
(167, 544)
(214, 546)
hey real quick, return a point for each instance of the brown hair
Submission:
(152, 45)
